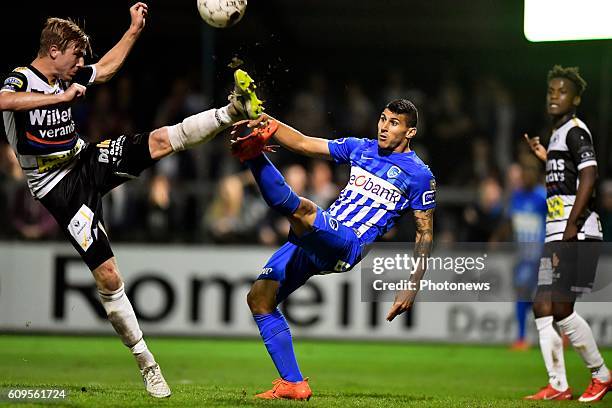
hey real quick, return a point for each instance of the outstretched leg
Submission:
(300, 211)
(204, 126)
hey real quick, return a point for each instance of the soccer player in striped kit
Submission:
(387, 180)
(565, 269)
(70, 176)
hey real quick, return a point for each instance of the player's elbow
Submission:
(104, 71)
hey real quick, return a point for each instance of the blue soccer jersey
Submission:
(382, 187)
(528, 213)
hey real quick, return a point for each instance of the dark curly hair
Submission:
(571, 73)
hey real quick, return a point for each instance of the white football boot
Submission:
(154, 382)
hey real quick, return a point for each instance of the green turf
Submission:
(99, 372)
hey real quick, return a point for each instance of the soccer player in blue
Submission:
(527, 212)
(387, 180)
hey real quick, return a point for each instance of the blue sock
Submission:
(521, 316)
(275, 191)
(277, 338)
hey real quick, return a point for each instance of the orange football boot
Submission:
(548, 393)
(288, 390)
(596, 390)
(252, 145)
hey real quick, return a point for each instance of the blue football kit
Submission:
(382, 187)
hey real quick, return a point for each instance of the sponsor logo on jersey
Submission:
(266, 271)
(12, 82)
(55, 161)
(333, 223)
(586, 155)
(393, 172)
(374, 187)
(556, 208)
(555, 170)
(50, 117)
(428, 197)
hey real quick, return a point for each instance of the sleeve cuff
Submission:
(586, 164)
(94, 72)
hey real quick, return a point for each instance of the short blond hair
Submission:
(62, 33)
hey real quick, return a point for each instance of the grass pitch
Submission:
(100, 372)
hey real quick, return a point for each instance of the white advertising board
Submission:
(201, 291)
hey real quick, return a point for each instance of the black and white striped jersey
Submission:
(570, 150)
(44, 139)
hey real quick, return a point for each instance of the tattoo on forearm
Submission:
(424, 232)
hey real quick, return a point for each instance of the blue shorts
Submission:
(330, 247)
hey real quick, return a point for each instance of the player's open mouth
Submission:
(553, 105)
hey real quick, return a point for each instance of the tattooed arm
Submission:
(423, 243)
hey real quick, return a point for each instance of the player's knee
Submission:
(561, 310)
(306, 209)
(542, 308)
(260, 301)
(107, 276)
(304, 217)
(159, 143)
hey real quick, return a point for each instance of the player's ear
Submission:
(577, 100)
(54, 51)
(411, 133)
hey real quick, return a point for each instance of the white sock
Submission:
(551, 346)
(199, 128)
(581, 337)
(143, 356)
(121, 315)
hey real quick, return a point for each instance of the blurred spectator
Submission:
(103, 118)
(159, 211)
(480, 165)
(181, 103)
(395, 88)
(358, 117)
(119, 212)
(10, 173)
(275, 227)
(494, 115)
(239, 213)
(526, 220)
(309, 108)
(452, 129)
(28, 218)
(322, 190)
(484, 217)
(236, 211)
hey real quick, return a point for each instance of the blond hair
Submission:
(62, 33)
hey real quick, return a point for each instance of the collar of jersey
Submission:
(40, 75)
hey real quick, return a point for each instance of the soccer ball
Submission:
(222, 13)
